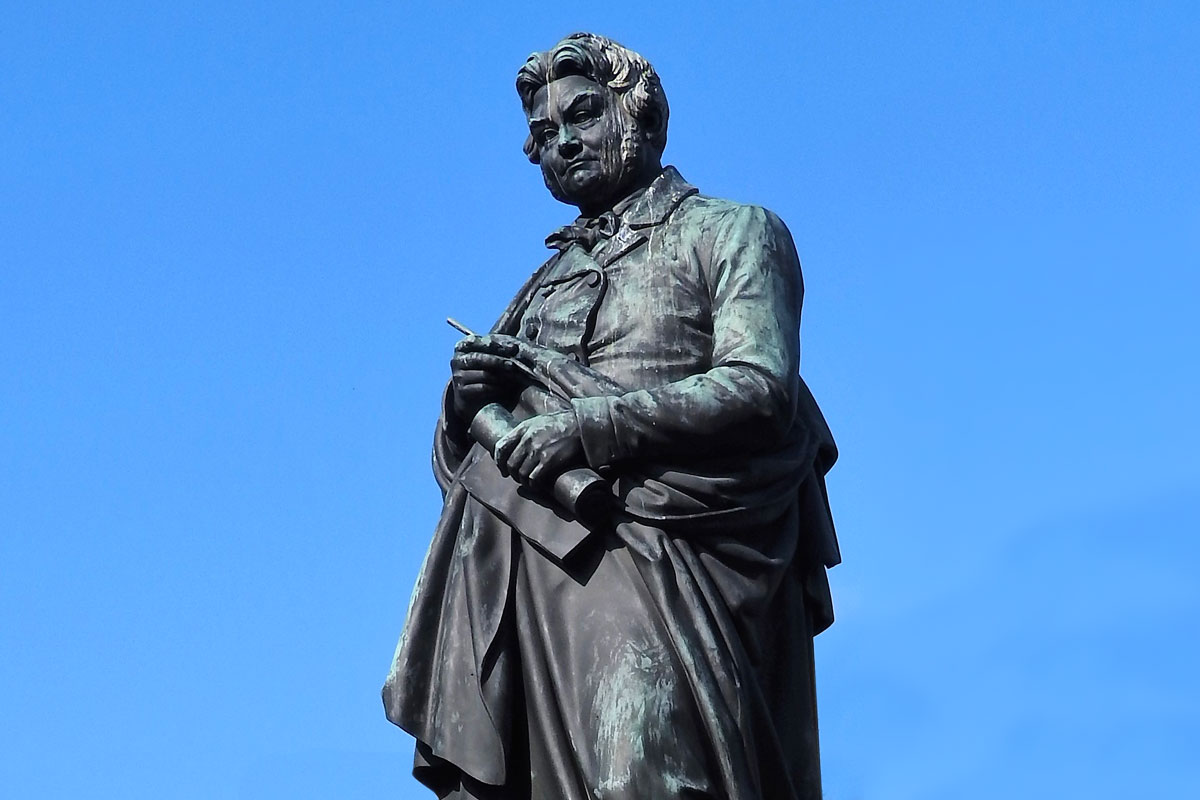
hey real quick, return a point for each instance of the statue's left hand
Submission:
(541, 447)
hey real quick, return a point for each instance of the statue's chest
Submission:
(563, 308)
(648, 300)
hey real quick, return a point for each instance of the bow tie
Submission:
(585, 232)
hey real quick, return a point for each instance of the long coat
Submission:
(666, 652)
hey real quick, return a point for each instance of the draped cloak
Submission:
(667, 651)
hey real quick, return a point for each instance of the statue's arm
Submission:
(747, 398)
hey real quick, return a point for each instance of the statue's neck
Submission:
(625, 197)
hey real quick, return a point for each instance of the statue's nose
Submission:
(568, 142)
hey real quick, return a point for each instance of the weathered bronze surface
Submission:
(658, 643)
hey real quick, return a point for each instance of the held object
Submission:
(580, 491)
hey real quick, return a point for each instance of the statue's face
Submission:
(578, 127)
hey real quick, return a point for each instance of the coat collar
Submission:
(654, 205)
(644, 211)
(634, 215)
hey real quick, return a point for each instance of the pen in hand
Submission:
(518, 365)
(458, 326)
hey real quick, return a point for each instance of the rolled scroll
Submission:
(581, 490)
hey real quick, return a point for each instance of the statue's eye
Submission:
(544, 135)
(583, 115)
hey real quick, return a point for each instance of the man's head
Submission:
(597, 120)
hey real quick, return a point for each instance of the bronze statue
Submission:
(620, 597)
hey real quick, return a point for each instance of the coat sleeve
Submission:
(747, 398)
(450, 443)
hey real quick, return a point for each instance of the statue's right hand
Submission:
(478, 378)
(510, 347)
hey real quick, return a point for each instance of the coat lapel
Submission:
(651, 209)
(625, 240)
(511, 317)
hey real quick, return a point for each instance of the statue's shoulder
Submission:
(704, 205)
(702, 222)
(702, 214)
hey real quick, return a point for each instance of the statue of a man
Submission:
(663, 648)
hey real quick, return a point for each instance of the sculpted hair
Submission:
(602, 60)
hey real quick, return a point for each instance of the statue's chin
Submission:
(594, 187)
(580, 193)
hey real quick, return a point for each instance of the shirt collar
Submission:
(642, 209)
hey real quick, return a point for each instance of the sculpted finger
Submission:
(528, 354)
(506, 346)
(504, 448)
(497, 344)
(483, 361)
(468, 344)
(542, 470)
(472, 377)
(467, 360)
(529, 462)
(555, 457)
(517, 459)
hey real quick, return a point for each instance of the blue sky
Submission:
(229, 234)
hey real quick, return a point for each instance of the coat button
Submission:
(531, 329)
